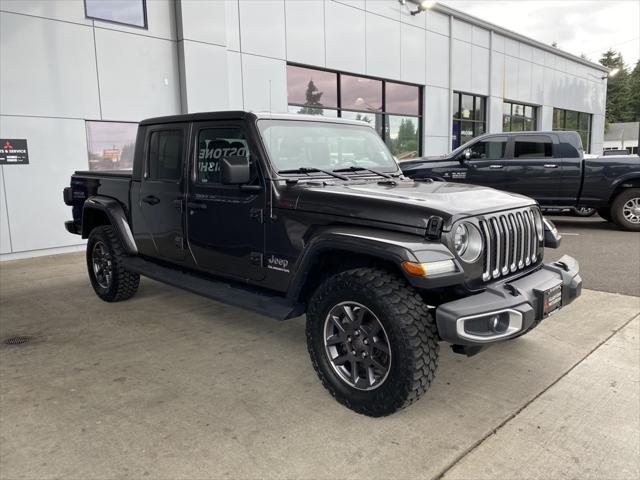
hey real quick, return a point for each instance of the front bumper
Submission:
(517, 304)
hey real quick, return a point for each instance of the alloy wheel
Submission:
(631, 210)
(357, 346)
(102, 265)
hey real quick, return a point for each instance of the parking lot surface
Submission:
(171, 385)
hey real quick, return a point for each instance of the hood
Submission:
(409, 164)
(406, 203)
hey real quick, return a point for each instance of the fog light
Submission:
(490, 326)
(499, 323)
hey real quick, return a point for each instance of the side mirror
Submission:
(235, 170)
(466, 155)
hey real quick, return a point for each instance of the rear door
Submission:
(224, 223)
(162, 191)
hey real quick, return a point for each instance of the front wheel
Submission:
(110, 280)
(625, 210)
(372, 341)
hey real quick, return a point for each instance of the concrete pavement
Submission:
(170, 385)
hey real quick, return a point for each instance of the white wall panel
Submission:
(67, 10)
(437, 22)
(383, 47)
(345, 37)
(234, 80)
(265, 84)
(32, 226)
(461, 30)
(161, 21)
(232, 24)
(436, 145)
(524, 81)
(479, 70)
(202, 21)
(413, 54)
(549, 60)
(436, 111)
(480, 36)
(526, 52)
(545, 120)
(205, 88)
(511, 47)
(461, 71)
(537, 84)
(415, 20)
(597, 134)
(497, 74)
(384, 8)
(538, 56)
(262, 27)
(498, 43)
(494, 115)
(510, 78)
(138, 76)
(352, 3)
(305, 32)
(47, 68)
(437, 60)
(5, 238)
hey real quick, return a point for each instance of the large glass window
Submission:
(392, 108)
(518, 117)
(574, 121)
(111, 145)
(490, 149)
(128, 12)
(213, 145)
(533, 147)
(469, 118)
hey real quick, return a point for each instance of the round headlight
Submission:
(467, 242)
(537, 216)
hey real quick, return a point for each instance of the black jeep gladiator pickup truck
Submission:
(287, 215)
(547, 166)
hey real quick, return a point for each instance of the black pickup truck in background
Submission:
(286, 215)
(547, 166)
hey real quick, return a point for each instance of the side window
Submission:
(213, 145)
(533, 147)
(165, 156)
(492, 149)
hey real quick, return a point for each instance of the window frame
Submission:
(563, 128)
(116, 22)
(537, 138)
(512, 103)
(458, 120)
(382, 112)
(147, 153)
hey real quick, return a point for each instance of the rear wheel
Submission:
(372, 341)
(110, 280)
(625, 210)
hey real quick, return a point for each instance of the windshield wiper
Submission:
(314, 170)
(362, 169)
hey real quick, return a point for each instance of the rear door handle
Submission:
(495, 166)
(197, 205)
(151, 200)
(550, 165)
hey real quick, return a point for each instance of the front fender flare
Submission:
(117, 218)
(393, 247)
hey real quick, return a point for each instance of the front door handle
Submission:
(197, 205)
(550, 165)
(495, 166)
(151, 200)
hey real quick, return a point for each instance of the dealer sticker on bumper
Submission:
(551, 300)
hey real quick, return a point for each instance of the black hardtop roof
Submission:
(242, 115)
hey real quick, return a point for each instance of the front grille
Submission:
(511, 242)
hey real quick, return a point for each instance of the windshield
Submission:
(294, 144)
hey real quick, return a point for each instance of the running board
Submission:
(241, 296)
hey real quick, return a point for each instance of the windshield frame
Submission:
(327, 121)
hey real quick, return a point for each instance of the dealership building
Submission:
(76, 76)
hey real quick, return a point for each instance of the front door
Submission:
(487, 164)
(225, 226)
(162, 191)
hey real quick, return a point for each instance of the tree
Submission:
(634, 93)
(618, 93)
(407, 140)
(312, 100)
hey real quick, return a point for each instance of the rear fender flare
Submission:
(117, 218)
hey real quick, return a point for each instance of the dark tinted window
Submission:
(129, 12)
(312, 88)
(492, 149)
(401, 98)
(213, 145)
(533, 147)
(165, 155)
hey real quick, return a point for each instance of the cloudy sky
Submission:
(578, 26)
